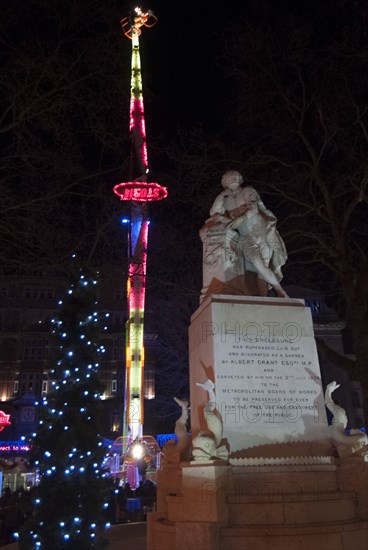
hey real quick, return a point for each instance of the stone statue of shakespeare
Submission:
(250, 240)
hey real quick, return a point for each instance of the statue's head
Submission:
(232, 179)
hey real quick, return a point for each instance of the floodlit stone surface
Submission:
(261, 355)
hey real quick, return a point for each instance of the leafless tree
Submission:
(63, 109)
(297, 130)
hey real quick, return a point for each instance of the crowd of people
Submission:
(127, 505)
(13, 510)
(133, 504)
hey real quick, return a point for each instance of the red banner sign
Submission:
(4, 420)
(140, 191)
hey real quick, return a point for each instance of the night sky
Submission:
(183, 79)
(180, 55)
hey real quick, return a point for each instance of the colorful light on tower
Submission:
(138, 192)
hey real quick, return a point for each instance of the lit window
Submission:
(149, 382)
(115, 421)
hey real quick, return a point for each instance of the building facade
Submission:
(27, 306)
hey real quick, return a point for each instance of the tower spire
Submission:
(132, 29)
(138, 192)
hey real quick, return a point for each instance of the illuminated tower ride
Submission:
(138, 192)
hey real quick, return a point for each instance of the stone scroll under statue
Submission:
(243, 251)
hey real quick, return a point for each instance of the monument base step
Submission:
(161, 534)
(292, 509)
(323, 536)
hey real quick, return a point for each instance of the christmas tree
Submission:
(71, 500)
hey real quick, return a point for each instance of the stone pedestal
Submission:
(281, 488)
(258, 507)
(261, 355)
(202, 492)
(168, 482)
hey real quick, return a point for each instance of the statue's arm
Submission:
(247, 197)
(217, 212)
(218, 206)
